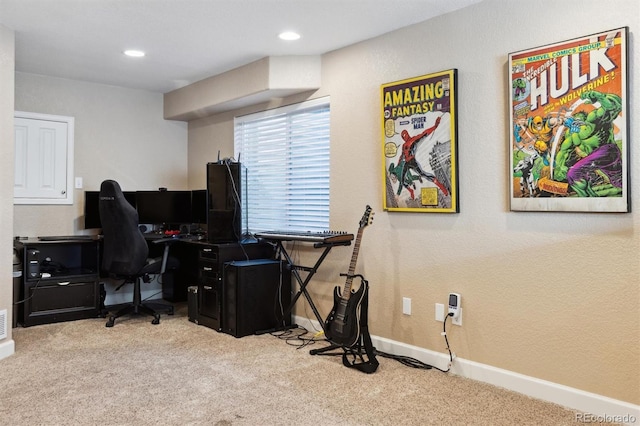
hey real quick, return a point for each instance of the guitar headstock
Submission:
(367, 217)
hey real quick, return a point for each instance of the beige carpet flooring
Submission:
(181, 373)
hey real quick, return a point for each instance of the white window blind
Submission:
(286, 155)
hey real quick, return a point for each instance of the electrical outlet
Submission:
(457, 320)
(439, 312)
(406, 305)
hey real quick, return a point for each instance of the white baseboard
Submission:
(7, 348)
(602, 407)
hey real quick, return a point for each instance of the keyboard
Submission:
(155, 235)
(325, 237)
(66, 237)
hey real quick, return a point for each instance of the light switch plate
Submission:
(439, 312)
(406, 305)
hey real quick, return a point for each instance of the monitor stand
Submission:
(248, 238)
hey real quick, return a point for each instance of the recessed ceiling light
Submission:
(289, 35)
(134, 53)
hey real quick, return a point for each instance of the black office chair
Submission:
(125, 251)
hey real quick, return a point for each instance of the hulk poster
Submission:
(568, 125)
(419, 144)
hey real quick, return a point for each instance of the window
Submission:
(286, 155)
(43, 159)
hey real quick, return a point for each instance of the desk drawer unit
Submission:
(211, 260)
(209, 289)
(60, 281)
(54, 301)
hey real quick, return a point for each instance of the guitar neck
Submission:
(352, 266)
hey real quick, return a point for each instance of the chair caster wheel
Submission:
(156, 319)
(110, 322)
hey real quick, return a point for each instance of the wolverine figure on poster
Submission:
(587, 156)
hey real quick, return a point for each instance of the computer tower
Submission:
(256, 294)
(192, 303)
(224, 202)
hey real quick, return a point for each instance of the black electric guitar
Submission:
(342, 326)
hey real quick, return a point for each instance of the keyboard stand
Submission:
(295, 270)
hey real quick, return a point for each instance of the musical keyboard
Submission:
(323, 237)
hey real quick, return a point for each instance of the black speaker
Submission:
(224, 203)
(255, 295)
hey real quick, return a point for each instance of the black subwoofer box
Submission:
(256, 293)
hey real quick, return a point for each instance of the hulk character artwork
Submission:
(588, 157)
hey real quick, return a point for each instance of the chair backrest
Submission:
(125, 249)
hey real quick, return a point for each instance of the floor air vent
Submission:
(3, 324)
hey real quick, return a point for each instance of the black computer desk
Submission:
(196, 267)
(194, 255)
(185, 249)
(68, 273)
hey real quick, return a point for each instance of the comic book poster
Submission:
(569, 143)
(419, 127)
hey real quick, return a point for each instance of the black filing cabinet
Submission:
(211, 260)
(60, 280)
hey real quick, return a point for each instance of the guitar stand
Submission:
(354, 357)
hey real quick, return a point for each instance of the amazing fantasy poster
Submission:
(568, 125)
(419, 144)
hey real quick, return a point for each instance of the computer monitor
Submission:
(92, 209)
(164, 207)
(199, 206)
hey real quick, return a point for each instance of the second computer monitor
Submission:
(164, 207)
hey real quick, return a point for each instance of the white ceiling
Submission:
(188, 40)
